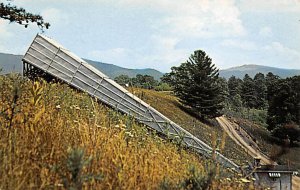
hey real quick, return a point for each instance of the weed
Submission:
(71, 172)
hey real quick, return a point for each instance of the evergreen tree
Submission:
(284, 108)
(248, 92)
(260, 91)
(272, 85)
(295, 98)
(234, 86)
(223, 85)
(195, 83)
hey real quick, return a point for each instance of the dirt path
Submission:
(245, 141)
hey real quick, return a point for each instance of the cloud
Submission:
(162, 56)
(165, 54)
(5, 37)
(278, 47)
(265, 31)
(182, 20)
(271, 5)
(55, 16)
(109, 55)
(118, 56)
(194, 18)
(245, 45)
(4, 30)
(283, 55)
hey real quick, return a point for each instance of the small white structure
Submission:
(275, 177)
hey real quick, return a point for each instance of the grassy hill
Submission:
(13, 63)
(53, 137)
(169, 105)
(251, 70)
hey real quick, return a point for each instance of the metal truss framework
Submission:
(45, 57)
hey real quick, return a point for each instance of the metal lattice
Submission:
(51, 58)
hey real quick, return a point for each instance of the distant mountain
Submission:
(251, 70)
(13, 63)
(112, 70)
(10, 63)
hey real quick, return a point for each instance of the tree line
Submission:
(198, 86)
(142, 81)
(279, 97)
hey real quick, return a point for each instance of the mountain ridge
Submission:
(12, 63)
(252, 69)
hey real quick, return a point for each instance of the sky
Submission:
(160, 34)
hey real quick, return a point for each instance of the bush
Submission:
(163, 87)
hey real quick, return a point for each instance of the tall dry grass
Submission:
(53, 137)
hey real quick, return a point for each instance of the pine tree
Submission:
(260, 91)
(223, 85)
(284, 108)
(234, 86)
(248, 92)
(272, 85)
(195, 83)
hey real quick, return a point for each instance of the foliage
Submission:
(118, 153)
(269, 101)
(257, 116)
(163, 87)
(234, 86)
(71, 171)
(252, 92)
(269, 144)
(21, 16)
(197, 181)
(123, 80)
(195, 83)
(141, 81)
(248, 92)
(284, 108)
(272, 85)
(223, 85)
(260, 91)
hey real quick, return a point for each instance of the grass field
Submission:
(53, 137)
